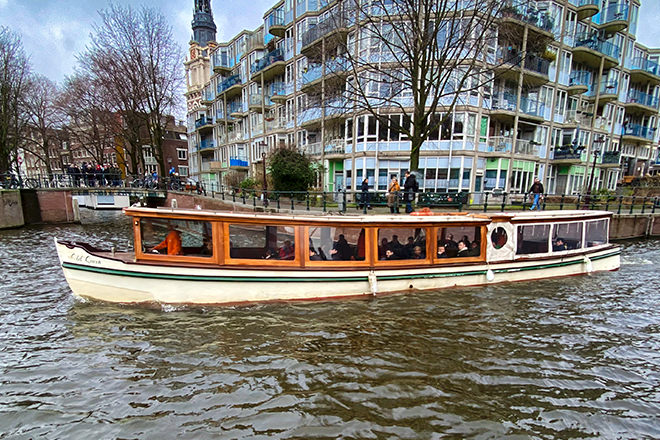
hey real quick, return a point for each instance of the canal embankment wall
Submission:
(37, 206)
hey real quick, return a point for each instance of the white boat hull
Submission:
(112, 280)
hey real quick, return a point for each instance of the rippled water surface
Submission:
(570, 358)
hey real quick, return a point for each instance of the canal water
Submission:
(569, 358)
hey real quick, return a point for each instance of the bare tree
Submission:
(417, 59)
(133, 57)
(45, 120)
(90, 121)
(14, 73)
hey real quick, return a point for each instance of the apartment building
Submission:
(587, 106)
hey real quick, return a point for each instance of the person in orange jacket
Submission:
(172, 242)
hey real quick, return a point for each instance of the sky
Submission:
(53, 32)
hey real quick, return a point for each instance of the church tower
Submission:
(197, 68)
(203, 25)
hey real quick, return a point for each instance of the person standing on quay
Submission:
(410, 187)
(537, 191)
(365, 193)
(392, 195)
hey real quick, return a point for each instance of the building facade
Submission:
(589, 107)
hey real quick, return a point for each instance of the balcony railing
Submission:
(281, 89)
(607, 87)
(645, 65)
(206, 144)
(567, 152)
(268, 59)
(613, 12)
(238, 161)
(521, 10)
(527, 147)
(500, 144)
(581, 78)
(590, 40)
(640, 131)
(275, 18)
(635, 96)
(203, 121)
(610, 157)
(221, 59)
(537, 64)
(531, 106)
(580, 3)
(229, 82)
(505, 101)
(330, 24)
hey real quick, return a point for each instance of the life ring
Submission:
(423, 211)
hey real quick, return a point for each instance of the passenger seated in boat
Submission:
(559, 245)
(463, 250)
(341, 250)
(313, 256)
(466, 240)
(441, 252)
(391, 255)
(207, 246)
(287, 251)
(395, 244)
(172, 242)
(475, 249)
(384, 246)
(449, 242)
(418, 253)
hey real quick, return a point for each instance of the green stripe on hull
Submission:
(319, 279)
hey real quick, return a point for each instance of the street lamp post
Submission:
(596, 146)
(264, 185)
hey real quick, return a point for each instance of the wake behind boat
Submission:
(214, 257)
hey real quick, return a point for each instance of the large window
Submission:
(566, 236)
(336, 244)
(458, 241)
(533, 239)
(176, 237)
(596, 233)
(401, 244)
(261, 242)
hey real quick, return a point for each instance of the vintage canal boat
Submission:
(212, 257)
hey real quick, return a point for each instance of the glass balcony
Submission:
(279, 91)
(585, 8)
(639, 131)
(568, 152)
(203, 121)
(537, 64)
(229, 82)
(580, 78)
(590, 40)
(612, 18)
(527, 147)
(522, 10)
(268, 59)
(275, 23)
(221, 61)
(641, 69)
(323, 28)
(645, 99)
(610, 157)
(206, 144)
(500, 144)
(238, 161)
(531, 106)
(607, 87)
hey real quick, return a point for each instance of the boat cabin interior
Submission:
(272, 241)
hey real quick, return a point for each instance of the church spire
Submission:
(203, 25)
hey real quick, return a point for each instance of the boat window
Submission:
(336, 244)
(596, 233)
(499, 237)
(533, 239)
(257, 242)
(458, 241)
(176, 237)
(401, 244)
(566, 236)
